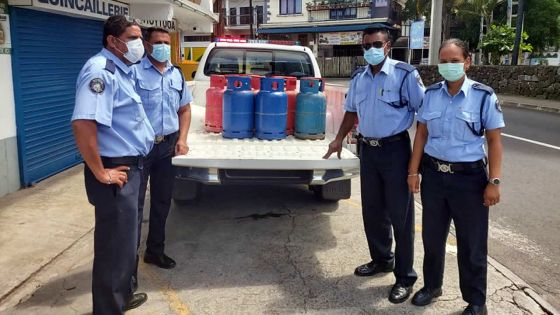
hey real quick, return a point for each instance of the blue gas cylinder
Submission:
(239, 108)
(311, 109)
(271, 109)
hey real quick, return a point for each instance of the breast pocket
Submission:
(434, 123)
(150, 93)
(390, 99)
(466, 121)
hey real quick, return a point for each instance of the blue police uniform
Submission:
(385, 104)
(105, 94)
(163, 95)
(453, 182)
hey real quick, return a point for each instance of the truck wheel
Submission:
(334, 191)
(186, 191)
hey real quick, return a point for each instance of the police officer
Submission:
(384, 97)
(456, 117)
(166, 101)
(113, 134)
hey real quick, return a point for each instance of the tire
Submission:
(186, 191)
(333, 191)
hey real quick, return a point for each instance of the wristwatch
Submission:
(494, 181)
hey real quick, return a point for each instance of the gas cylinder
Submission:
(214, 103)
(239, 108)
(291, 85)
(271, 109)
(311, 109)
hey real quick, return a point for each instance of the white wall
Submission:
(7, 103)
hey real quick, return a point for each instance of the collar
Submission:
(147, 63)
(464, 88)
(109, 55)
(387, 67)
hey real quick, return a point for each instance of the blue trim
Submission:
(314, 29)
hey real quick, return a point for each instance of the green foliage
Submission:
(499, 41)
(416, 9)
(542, 23)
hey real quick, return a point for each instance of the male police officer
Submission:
(384, 96)
(166, 100)
(113, 134)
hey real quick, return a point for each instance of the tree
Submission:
(542, 23)
(499, 41)
(416, 9)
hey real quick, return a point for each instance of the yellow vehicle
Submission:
(192, 52)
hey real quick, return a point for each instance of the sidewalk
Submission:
(529, 103)
(51, 225)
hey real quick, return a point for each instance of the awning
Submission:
(314, 29)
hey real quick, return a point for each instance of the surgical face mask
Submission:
(451, 72)
(161, 52)
(374, 56)
(135, 50)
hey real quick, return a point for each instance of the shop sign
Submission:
(5, 42)
(340, 38)
(92, 8)
(168, 25)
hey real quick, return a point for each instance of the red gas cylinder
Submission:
(291, 85)
(214, 103)
(256, 83)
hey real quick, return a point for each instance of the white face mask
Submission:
(135, 50)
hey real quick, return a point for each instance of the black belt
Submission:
(160, 139)
(378, 142)
(448, 167)
(123, 160)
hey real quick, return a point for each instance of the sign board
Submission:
(168, 25)
(93, 8)
(417, 35)
(340, 38)
(5, 41)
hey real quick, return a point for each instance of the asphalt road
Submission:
(524, 226)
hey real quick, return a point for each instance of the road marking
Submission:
(531, 141)
(170, 294)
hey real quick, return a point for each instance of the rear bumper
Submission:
(216, 176)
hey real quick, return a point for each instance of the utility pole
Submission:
(435, 31)
(518, 31)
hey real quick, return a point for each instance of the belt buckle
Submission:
(159, 139)
(444, 168)
(374, 142)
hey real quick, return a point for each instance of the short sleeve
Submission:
(493, 117)
(421, 109)
(94, 97)
(186, 97)
(415, 90)
(350, 103)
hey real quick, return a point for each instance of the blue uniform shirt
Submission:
(372, 96)
(105, 93)
(163, 94)
(448, 117)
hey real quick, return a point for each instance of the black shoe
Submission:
(475, 310)
(399, 293)
(162, 261)
(372, 268)
(136, 300)
(425, 296)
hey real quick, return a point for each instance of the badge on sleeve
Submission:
(97, 85)
(498, 107)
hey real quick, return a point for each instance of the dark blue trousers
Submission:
(457, 196)
(116, 217)
(161, 174)
(388, 206)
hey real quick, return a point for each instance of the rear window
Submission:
(258, 62)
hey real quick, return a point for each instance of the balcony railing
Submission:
(321, 5)
(346, 13)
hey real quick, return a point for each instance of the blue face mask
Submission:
(451, 71)
(374, 56)
(161, 52)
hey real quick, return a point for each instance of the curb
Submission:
(515, 279)
(530, 106)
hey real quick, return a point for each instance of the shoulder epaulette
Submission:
(483, 87)
(358, 71)
(110, 66)
(405, 66)
(435, 86)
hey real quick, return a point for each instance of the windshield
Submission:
(258, 62)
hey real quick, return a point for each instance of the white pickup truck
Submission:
(214, 160)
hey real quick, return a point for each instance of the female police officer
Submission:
(456, 116)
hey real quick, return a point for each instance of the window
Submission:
(260, 11)
(233, 16)
(259, 62)
(245, 15)
(290, 7)
(341, 14)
